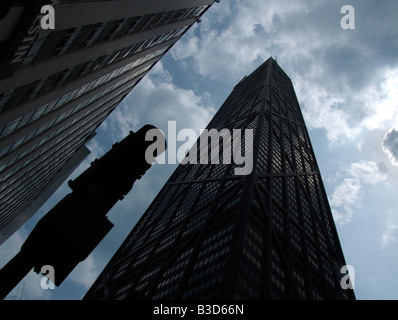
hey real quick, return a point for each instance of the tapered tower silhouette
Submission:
(212, 234)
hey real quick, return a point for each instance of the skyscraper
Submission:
(58, 85)
(211, 234)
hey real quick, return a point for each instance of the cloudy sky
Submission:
(347, 85)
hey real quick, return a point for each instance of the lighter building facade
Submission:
(58, 85)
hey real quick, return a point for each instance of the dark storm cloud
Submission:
(346, 64)
(390, 145)
(346, 59)
(328, 65)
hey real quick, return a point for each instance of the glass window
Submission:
(17, 143)
(113, 58)
(38, 113)
(5, 150)
(10, 127)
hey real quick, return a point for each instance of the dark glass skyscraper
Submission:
(58, 85)
(211, 234)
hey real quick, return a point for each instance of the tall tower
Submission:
(58, 85)
(211, 234)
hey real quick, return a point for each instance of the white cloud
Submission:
(249, 33)
(321, 111)
(367, 171)
(348, 192)
(384, 101)
(389, 235)
(344, 197)
(96, 148)
(156, 100)
(343, 86)
(85, 272)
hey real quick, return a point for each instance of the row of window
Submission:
(163, 221)
(289, 164)
(220, 233)
(57, 120)
(18, 197)
(249, 292)
(167, 241)
(210, 248)
(172, 275)
(123, 291)
(254, 281)
(211, 258)
(206, 272)
(306, 216)
(253, 249)
(191, 171)
(156, 209)
(181, 262)
(292, 196)
(149, 275)
(276, 156)
(219, 170)
(64, 41)
(278, 219)
(170, 279)
(295, 235)
(235, 111)
(203, 171)
(278, 276)
(143, 255)
(156, 220)
(45, 109)
(162, 294)
(287, 109)
(300, 158)
(295, 238)
(252, 258)
(197, 221)
(78, 134)
(187, 203)
(35, 89)
(202, 286)
(263, 154)
(121, 269)
(36, 178)
(277, 191)
(280, 75)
